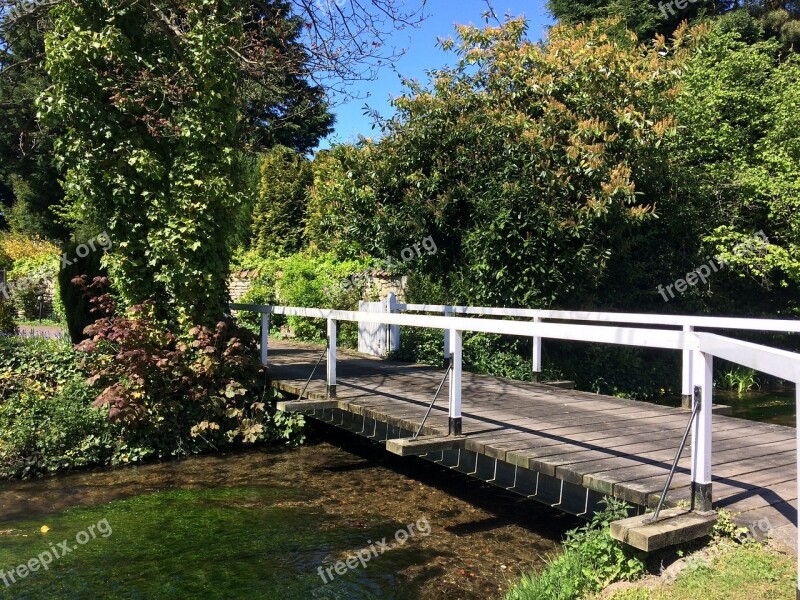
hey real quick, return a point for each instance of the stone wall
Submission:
(239, 284)
(377, 285)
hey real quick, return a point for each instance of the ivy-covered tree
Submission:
(150, 114)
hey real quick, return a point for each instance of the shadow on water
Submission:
(261, 523)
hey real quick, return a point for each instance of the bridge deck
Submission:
(609, 445)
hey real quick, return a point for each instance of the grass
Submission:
(747, 572)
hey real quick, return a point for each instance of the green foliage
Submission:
(177, 393)
(741, 147)
(42, 433)
(149, 128)
(726, 529)
(8, 324)
(189, 403)
(568, 160)
(33, 267)
(28, 178)
(591, 560)
(740, 379)
(305, 279)
(278, 218)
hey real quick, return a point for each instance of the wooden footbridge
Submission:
(563, 447)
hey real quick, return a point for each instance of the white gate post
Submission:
(702, 372)
(394, 330)
(331, 358)
(456, 338)
(687, 387)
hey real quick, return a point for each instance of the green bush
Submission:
(305, 279)
(46, 434)
(8, 324)
(195, 403)
(591, 561)
(36, 364)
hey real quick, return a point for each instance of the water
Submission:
(259, 524)
(777, 406)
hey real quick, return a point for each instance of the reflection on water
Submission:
(778, 407)
(259, 524)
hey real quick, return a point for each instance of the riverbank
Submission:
(730, 565)
(722, 572)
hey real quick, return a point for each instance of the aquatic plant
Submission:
(740, 379)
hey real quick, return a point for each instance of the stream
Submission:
(271, 523)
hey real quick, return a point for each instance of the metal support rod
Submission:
(435, 396)
(314, 370)
(586, 507)
(695, 411)
(560, 496)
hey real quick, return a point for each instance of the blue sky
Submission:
(423, 54)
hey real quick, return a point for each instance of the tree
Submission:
(152, 129)
(648, 18)
(279, 215)
(151, 114)
(532, 166)
(740, 145)
(28, 179)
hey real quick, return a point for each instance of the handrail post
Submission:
(332, 358)
(797, 409)
(537, 354)
(702, 371)
(265, 334)
(687, 387)
(456, 339)
(448, 312)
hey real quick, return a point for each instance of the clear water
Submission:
(259, 524)
(778, 407)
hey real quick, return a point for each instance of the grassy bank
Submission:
(593, 566)
(749, 572)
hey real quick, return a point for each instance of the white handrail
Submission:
(736, 323)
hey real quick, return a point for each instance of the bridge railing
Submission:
(687, 323)
(701, 348)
